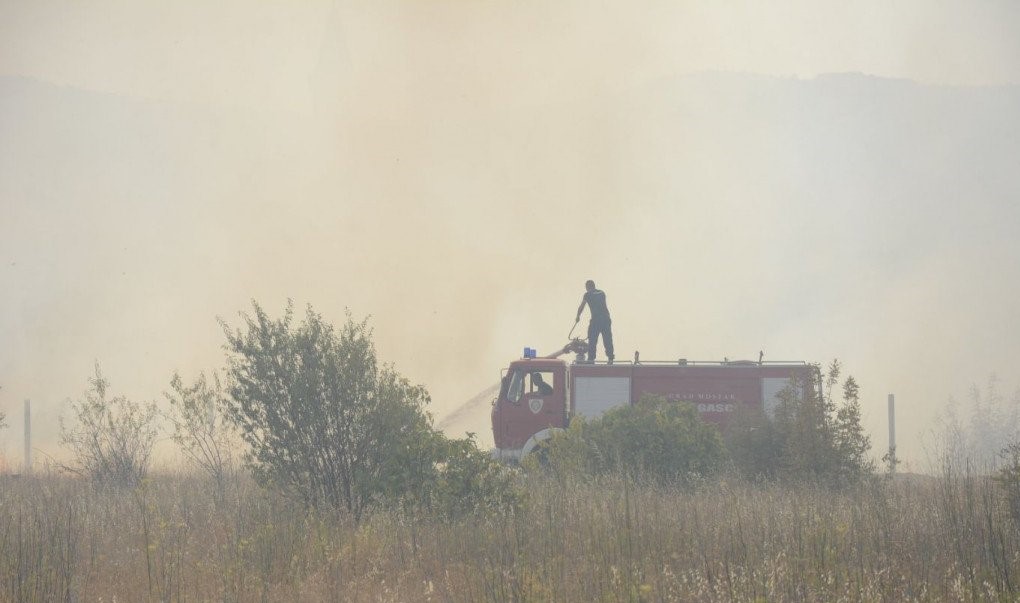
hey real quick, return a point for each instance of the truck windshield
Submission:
(513, 393)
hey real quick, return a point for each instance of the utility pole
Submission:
(28, 436)
(892, 433)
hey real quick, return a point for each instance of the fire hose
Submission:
(576, 345)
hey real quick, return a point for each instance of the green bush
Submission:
(753, 444)
(655, 438)
(469, 481)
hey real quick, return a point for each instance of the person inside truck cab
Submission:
(600, 323)
(539, 385)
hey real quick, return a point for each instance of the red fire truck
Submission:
(538, 396)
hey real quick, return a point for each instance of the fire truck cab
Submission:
(539, 396)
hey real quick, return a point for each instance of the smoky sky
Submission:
(812, 180)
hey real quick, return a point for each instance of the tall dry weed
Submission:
(948, 537)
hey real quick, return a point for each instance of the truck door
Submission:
(541, 393)
(535, 400)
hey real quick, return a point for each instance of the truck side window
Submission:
(541, 383)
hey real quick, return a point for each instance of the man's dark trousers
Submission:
(596, 328)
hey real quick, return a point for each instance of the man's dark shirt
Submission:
(596, 300)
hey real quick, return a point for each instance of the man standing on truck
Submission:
(600, 323)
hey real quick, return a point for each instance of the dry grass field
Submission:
(180, 538)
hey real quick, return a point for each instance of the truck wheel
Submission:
(538, 444)
(541, 454)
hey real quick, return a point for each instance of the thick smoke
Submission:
(457, 171)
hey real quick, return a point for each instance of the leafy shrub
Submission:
(468, 481)
(326, 422)
(656, 438)
(753, 444)
(110, 439)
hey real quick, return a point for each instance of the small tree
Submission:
(993, 426)
(812, 435)
(110, 439)
(1009, 478)
(948, 439)
(804, 428)
(197, 414)
(993, 422)
(851, 442)
(323, 420)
